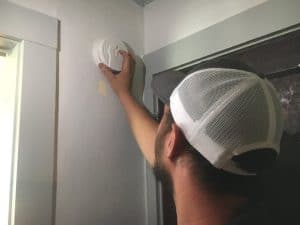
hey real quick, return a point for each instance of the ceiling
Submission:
(143, 2)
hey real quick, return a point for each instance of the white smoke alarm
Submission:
(107, 52)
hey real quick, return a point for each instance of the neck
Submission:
(195, 205)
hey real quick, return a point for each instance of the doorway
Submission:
(9, 120)
(277, 60)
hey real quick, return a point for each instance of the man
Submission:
(221, 126)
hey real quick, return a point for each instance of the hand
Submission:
(121, 82)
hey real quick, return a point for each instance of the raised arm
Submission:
(143, 126)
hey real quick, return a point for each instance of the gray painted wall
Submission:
(253, 24)
(167, 21)
(100, 170)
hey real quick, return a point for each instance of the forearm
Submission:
(143, 126)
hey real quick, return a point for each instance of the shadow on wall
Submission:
(138, 83)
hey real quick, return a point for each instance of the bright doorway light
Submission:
(8, 103)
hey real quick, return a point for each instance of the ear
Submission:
(175, 142)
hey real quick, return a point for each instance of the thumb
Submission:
(106, 71)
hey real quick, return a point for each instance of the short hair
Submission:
(223, 182)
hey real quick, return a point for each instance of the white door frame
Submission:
(37, 35)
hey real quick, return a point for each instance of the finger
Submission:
(126, 54)
(132, 58)
(127, 62)
(106, 71)
(132, 63)
(122, 52)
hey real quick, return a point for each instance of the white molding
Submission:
(24, 24)
(34, 186)
(35, 147)
(263, 20)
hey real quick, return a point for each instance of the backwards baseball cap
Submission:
(223, 112)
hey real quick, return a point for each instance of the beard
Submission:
(159, 169)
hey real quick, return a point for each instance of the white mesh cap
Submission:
(226, 112)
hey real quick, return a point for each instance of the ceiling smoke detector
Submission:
(143, 2)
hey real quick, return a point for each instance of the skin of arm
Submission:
(143, 126)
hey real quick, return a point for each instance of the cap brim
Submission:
(164, 83)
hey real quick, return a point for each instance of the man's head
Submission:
(223, 124)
